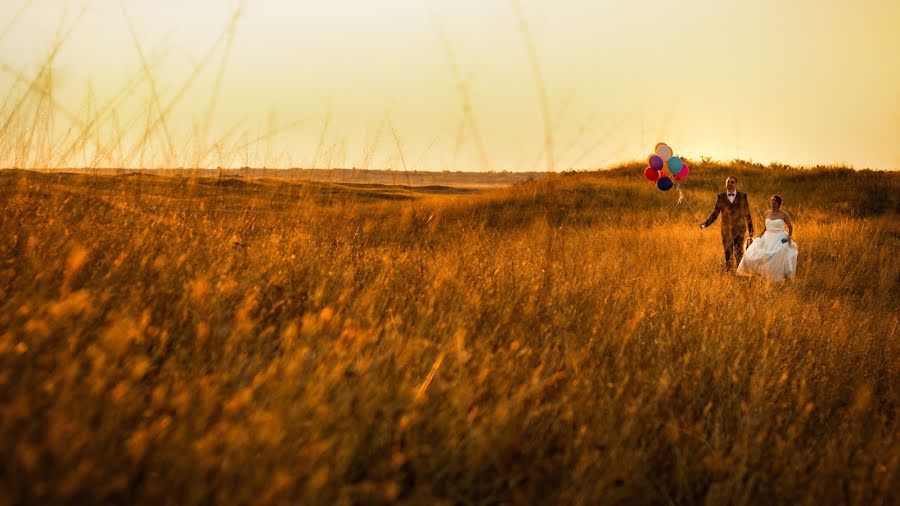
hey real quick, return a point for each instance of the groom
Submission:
(735, 211)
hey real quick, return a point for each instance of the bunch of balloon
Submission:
(664, 167)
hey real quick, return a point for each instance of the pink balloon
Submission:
(684, 172)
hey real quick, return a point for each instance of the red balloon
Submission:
(684, 173)
(651, 174)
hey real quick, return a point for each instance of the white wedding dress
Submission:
(769, 257)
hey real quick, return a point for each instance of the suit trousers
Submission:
(734, 246)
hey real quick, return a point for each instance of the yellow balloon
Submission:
(663, 151)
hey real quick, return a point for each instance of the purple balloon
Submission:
(656, 162)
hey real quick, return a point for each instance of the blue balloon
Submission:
(675, 165)
(664, 183)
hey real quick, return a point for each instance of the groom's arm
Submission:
(712, 217)
(748, 215)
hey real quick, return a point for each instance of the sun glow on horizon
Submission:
(447, 85)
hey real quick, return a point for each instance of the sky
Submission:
(451, 84)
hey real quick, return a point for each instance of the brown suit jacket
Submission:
(735, 215)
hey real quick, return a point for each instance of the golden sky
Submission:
(383, 83)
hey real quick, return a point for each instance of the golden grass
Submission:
(571, 340)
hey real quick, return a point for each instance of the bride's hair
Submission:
(777, 199)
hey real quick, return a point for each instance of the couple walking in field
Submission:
(772, 255)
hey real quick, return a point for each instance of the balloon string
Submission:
(682, 198)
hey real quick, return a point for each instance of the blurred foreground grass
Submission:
(569, 340)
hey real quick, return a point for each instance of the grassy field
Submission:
(178, 340)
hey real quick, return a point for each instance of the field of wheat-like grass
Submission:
(181, 340)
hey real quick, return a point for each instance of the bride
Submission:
(773, 255)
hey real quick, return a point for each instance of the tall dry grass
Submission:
(192, 340)
(569, 340)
